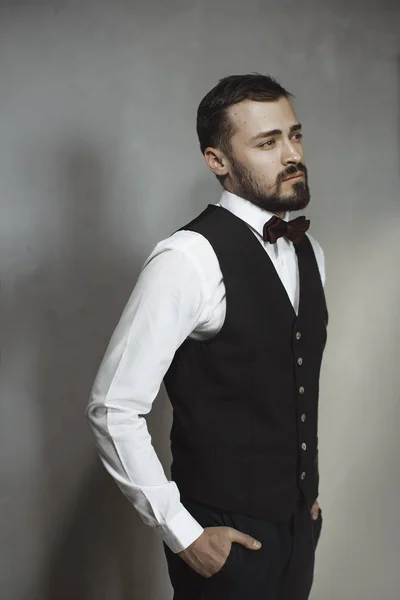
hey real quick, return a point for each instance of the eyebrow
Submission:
(265, 134)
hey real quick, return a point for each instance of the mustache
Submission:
(290, 171)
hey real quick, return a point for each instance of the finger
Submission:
(315, 512)
(242, 538)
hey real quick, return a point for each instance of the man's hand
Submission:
(208, 554)
(315, 511)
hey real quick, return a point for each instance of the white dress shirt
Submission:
(180, 293)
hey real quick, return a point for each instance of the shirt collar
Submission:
(252, 214)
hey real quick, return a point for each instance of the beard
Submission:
(270, 198)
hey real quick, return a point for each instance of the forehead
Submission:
(250, 117)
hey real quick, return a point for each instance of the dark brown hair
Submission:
(214, 127)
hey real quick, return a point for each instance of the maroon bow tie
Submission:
(293, 230)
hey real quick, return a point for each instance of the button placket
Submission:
(301, 391)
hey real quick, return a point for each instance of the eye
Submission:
(298, 136)
(268, 143)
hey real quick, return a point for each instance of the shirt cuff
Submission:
(180, 531)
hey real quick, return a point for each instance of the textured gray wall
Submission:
(98, 161)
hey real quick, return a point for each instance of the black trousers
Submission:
(282, 569)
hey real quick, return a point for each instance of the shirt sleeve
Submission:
(161, 312)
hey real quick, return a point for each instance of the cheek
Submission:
(266, 166)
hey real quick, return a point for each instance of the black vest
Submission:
(245, 402)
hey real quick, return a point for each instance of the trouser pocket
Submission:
(228, 564)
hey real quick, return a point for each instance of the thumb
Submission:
(244, 539)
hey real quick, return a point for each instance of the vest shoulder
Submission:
(319, 256)
(316, 246)
(209, 216)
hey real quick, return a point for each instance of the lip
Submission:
(299, 176)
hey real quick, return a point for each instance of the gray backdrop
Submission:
(98, 161)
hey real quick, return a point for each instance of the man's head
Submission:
(251, 140)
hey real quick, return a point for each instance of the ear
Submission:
(216, 161)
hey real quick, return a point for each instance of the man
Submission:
(230, 312)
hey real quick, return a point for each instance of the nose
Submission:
(291, 154)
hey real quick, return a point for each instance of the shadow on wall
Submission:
(95, 542)
(97, 546)
(398, 95)
(105, 551)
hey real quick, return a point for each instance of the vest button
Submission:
(303, 476)
(303, 417)
(301, 390)
(298, 335)
(299, 361)
(304, 446)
